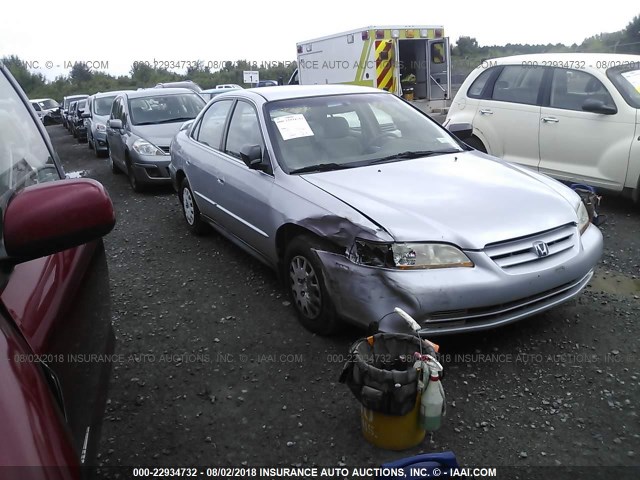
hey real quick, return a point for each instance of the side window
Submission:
(212, 124)
(244, 129)
(437, 52)
(518, 84)
(570, 88)
(476, 88)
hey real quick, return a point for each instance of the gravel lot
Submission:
(216, 369)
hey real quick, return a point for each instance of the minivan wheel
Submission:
(133, 181)
(476, 143)
(114, 168)
(190, 210)
(305, 282)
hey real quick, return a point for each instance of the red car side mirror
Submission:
(50, 217)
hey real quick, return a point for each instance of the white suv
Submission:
(572, 116)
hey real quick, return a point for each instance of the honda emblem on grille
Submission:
(541, 249)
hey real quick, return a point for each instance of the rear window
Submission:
(626, 79)
(518, 84)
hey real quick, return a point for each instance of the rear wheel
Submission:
(476, 143)
(190, 210)
(306, 285)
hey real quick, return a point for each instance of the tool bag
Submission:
(380, 371)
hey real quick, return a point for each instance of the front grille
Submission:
(164, 149)
(514, 253)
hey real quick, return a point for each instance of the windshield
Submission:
(48, 104)
(165, 108)
(626, 79)
(82, 105)
(102, 105)
(24, 157)
(68, 101)
(344, 131)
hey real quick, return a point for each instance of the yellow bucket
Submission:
(392, 432)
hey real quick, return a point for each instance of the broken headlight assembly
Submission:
(408, 256)
(583, 217)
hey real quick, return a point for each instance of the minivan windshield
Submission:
(626, 78)
(102, 105)
(48, 104)
(345, 131)
(165, 108)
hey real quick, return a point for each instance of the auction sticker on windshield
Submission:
(293, 126)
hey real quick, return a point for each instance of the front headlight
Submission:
(101, 127)
(408, 256)
(583, 217)
(145, 148)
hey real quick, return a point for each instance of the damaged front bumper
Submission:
(455, 300)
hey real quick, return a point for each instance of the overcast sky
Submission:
(119, 32)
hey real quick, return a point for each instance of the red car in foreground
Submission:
(55, 323)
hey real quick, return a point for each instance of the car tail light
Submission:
(365, 35)
(438, 33)
(379, 34)
(299, 48)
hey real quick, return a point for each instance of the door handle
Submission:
(550, 120)
(486, 111)
(221, 181)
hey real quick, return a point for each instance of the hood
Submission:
(467, 199)
(160, 135)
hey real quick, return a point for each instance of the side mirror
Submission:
(54, 216)
(114, 123)
(86, 115)
(461, 130)
(594, 105)
(251, 155)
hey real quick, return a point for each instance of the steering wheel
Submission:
(379, 140)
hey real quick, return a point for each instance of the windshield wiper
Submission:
(413, 154)
(322, 167)
(178, 119)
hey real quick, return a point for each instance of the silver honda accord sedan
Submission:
(363, 203)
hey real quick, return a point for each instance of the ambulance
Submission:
(409, 61)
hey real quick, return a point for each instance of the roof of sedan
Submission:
(151, 92)
(284, 92)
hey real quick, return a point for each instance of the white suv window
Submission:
(570, 88)
(518, 84)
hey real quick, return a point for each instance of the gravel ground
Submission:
(216, 369)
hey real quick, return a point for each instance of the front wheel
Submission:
(190, 210)
(114, 168)
(133, 181)
(305, 281)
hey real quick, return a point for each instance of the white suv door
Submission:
(509, 120)
(581, 146)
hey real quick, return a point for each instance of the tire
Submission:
(476, 143)
(190, 209)
(304, 280)
(114, 168)
(89, 144)
(133, 182)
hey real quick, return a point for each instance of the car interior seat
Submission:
(337, 139)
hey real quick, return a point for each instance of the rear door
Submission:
(203, 157)
(438, 85)
(509, 118)
(580, 146)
